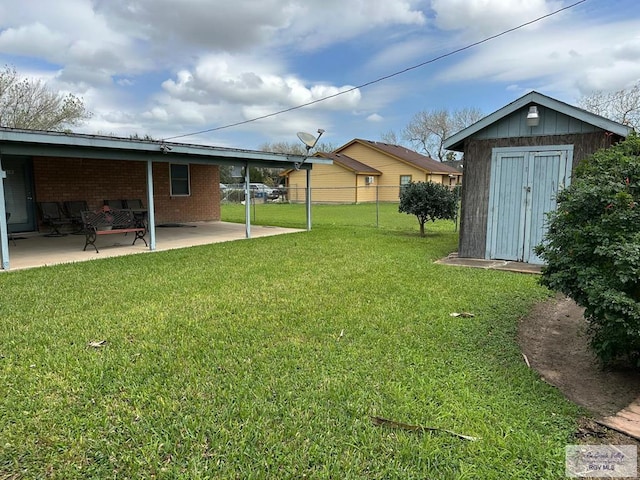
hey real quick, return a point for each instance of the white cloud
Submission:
(242, 25)
(317, 24)
(31, 40)
(286, 126)
(572, 57)
(223, 58)
(402, 53)
(71, 34)
(168, 66)
(223, 25)
(488, 17)
(240, 80)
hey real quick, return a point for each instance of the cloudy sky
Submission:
(168, 68)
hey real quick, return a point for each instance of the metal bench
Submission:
(107, 221)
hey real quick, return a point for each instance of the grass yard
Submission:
(266, 358)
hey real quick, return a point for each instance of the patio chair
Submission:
(135, 204)
(10, 235)
(53, 216)
(139, 212)
(73, 209)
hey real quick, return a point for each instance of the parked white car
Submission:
(263, 191)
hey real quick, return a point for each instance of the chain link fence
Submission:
(370, 205)
(319, 195)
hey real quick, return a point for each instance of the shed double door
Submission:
(524, 185)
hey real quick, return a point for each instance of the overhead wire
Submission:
(383, 78)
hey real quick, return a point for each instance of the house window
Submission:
(180, 180)
(405, 180)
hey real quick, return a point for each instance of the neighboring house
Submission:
(457, 164)
(366, 171)
(515, 162)
(176, 182)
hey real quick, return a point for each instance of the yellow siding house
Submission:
(366, 171)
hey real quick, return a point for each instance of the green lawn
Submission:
(266, 359)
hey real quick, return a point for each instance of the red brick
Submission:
(64, 179)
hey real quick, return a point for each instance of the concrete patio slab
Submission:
(506, 265)
(36, 250)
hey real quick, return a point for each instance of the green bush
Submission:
(428, 201)
(592, 248)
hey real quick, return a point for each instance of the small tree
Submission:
(592, 248)
(428, 201)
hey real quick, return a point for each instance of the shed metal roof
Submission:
(456, 142)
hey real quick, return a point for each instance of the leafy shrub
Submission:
(592, 248)
(428, 201)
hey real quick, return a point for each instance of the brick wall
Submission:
(66, 179)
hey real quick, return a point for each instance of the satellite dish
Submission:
(308, 139)
(310, 142)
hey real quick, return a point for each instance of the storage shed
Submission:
(515, 162)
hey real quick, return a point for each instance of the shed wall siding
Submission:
(477, 178)
(551, 123)
(69, 179)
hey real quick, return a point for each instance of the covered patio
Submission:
(36, 250)
(172, 183)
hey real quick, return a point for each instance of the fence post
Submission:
(309, 200)
(377, 207)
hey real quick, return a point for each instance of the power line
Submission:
(386, 77)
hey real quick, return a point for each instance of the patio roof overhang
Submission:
(57, 144)
(74, 145)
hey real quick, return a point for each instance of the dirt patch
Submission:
(553, 338)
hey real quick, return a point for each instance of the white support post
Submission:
(247, 201)
(151, 220)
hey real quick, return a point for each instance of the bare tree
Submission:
(428, 129)
(622, 106)
(283, 147)
(390, 137)
(30, 104)
(271, 176)
(294, 148)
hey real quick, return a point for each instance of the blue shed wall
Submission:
(551, 123)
